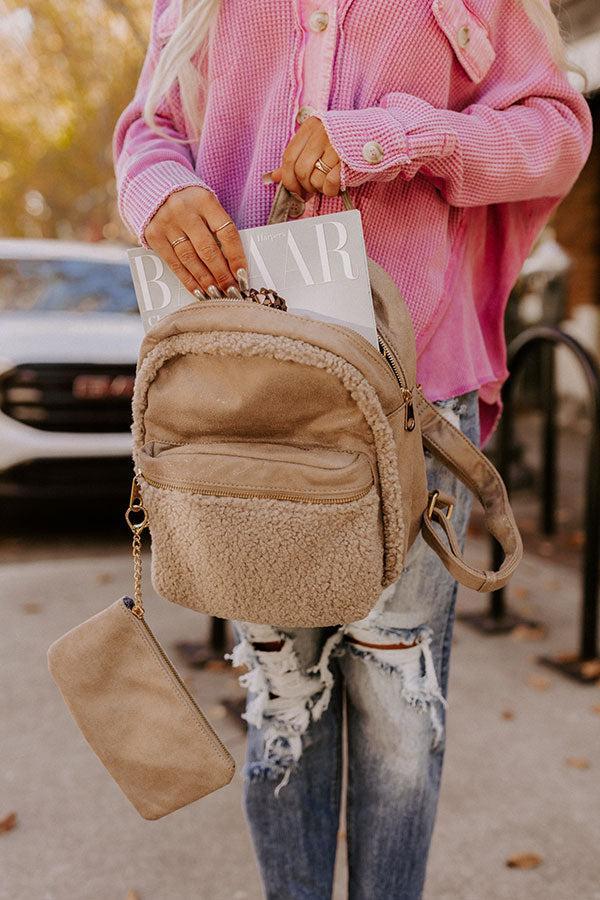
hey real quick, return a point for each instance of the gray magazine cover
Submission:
(318, 265)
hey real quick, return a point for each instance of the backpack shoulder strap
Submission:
(469, 465)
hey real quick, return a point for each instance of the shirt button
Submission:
(463, 37)
(318, 21)
(296, 208)
(304, 113)
(373, 152)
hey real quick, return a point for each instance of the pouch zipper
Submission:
(256, 495)
(165, 659)
(409, 410)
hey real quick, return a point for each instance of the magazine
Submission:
(318, 265)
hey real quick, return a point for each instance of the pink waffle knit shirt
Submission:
(458, 137)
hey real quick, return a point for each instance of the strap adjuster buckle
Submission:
(440, 505)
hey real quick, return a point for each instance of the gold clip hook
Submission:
(136, 505)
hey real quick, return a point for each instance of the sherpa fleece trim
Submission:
(250, 344)
(266, 561)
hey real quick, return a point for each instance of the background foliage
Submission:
(67, 69)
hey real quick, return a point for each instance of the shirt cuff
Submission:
(142, 196)
(369, 143)
(380, 143)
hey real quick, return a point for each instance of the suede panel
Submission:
(290, 564)
(266, 469)
(135, 714)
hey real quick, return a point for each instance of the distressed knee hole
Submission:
(410, 659)
(268, 646)
(283, 699)
(354, 640)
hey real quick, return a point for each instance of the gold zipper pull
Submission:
(135, 498)
(136, 505)
(409, 410)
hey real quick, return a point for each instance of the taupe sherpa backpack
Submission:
(280, 461)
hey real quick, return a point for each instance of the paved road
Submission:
(508, 788)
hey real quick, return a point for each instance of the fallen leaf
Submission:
(8, 822)
(566, 658)
(576, 539)
(104, 577)
(132, 895)
(528, 633)
(216, 665)
(591, 668)
(596, 709)
(578, 762)
(31, 607)
(524, 861)
(539, 682)
(507, 714)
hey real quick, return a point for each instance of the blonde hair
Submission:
(175, 66)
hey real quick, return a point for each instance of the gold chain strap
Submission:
(136, 506)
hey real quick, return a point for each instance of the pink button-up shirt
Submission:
(458, 345)
(457, 133)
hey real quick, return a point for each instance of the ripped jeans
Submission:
(391, 671)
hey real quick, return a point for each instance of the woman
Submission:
(456, 131)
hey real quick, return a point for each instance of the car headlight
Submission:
(6, 365)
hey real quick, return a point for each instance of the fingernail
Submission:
(213, 291)
(242, 277)
(199, 295)
(233, 292)
(267, 178)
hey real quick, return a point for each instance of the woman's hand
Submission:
(210, 258)
(297, 170)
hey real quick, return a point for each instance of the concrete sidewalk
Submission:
(508, 786)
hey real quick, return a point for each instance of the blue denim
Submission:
(395, 709)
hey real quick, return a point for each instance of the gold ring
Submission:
(322, 166)
(224, 225)
(179, 240)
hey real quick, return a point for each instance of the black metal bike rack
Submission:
(542, 340)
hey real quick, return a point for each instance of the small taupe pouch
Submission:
(135, 711)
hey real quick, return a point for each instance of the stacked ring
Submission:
(322, 166)
(179, 240)
(224, 225)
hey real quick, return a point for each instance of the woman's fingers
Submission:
(203, 248)
(290, 157)
(163, 247)
(209, 256)
(316, 148)
(228, 237)
(330, 184)
(320, 180)
(188, 255)
(297, 170)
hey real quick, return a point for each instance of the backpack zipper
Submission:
(255, 495)
(409, 410)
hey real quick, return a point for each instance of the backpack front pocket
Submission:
(274, 534)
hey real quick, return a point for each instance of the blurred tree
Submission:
(67, 69)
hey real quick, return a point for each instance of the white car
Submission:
(69, 337)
